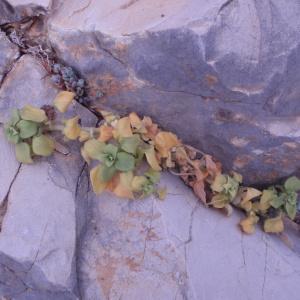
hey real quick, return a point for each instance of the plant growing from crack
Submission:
(127, 154)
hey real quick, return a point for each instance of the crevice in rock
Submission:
(83, 209)
(106, 50)
(224, 5)
(9, 69)
(4, 204)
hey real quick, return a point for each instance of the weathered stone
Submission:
(224, 75)
(8, 54)
(177, 249)
(8, 13)
(38, 235)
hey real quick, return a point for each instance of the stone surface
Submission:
(8, 54)
(8, 13)
(38, 236)
(177, 249)
(222, 74)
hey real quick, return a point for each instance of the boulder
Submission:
(224, 75)
(38, 202)
(9, 53)
(178, 249)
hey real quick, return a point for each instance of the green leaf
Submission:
(153, 176)
(139, 156)
(130, 144)
(291, 210)
(23, 153)
(125, 162)
(266, 199)
(148, 189)
(106, 173)
(15, 117)
(43, 145)
(292, 184)
(109, 154)
(231, 187)
(27, 128)
(278, 201)
(12, 135)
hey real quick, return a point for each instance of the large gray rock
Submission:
(177, 249)
(8, 55)
(224, 75)
(38, 202)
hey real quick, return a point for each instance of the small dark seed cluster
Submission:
(66, 77)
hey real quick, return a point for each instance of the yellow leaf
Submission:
(84, 136)
(123, 189)
(72, 129)
(274, 225)
(265, 200)
(248, 224)
(249, 194)
(63, 100)
(137, 123)
(151, 129)
(106, 133)
(31, 113)
(220, 201)
(93, 149)
(164, 141)
(162, 193)
(122, 129)
(98, 185)
(85, 155)
(151, 159)
(218, 183)
(138, 182)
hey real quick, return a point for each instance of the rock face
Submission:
(38, 203)
(222, 74)
(176, 249)
(9, 53)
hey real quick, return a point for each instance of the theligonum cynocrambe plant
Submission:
(126, 156)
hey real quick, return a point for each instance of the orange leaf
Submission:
(212, 168)
(106, 133)
(151, 159)
(165, 141)
(123, 189)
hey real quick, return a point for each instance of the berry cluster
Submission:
(66, 77)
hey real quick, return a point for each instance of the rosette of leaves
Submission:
(114, 157)
(286, 198)
(25, 130)
(145, 185)
(225, 189)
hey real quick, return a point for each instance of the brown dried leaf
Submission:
(199, 190)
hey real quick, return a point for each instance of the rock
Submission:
(38, 238)
(224, 77)
(8, 13)
(42, 3)
(177, 249)
(8, 54)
